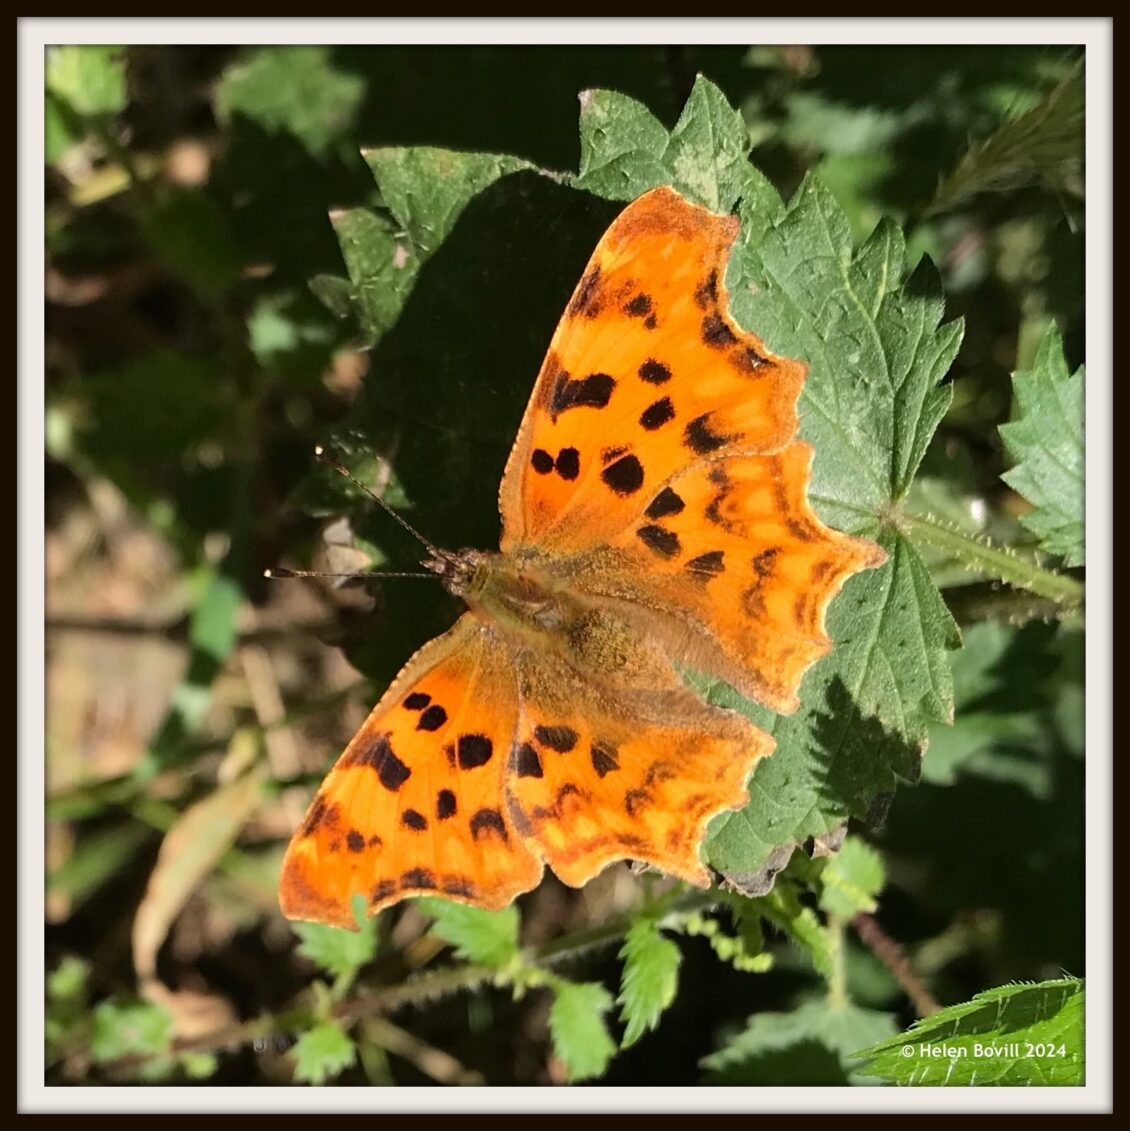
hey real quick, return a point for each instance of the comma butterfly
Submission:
(654, 514)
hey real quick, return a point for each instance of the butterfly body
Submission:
(655, 519)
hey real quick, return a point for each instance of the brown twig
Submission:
(891, 954)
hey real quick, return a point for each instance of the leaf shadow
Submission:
(447, 386)
(861, 761)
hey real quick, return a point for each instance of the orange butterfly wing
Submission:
(646, 374)
(415, 804)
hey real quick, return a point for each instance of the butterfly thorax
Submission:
(538, 611)
(511, 594)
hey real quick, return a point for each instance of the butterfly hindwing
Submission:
(416, 803)
(646, 373)
(601, 774)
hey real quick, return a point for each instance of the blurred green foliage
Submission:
(226, 226)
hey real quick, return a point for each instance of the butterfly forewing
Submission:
(645, 375)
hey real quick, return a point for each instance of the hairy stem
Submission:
(998, 562)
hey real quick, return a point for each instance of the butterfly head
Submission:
(460, 572)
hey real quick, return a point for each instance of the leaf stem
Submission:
(999, 562)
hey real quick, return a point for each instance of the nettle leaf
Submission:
(876, 353)
(1015, 1034)
(576, 1026)
(489, 937)
(625, 150)
(814, 1044)
(650, 978)
(1045, 439)
(322, 1053)
(425, 190)
(851, 879)
(461, 335)
(337, 950)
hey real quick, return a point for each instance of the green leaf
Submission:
(487, 937)
(782, 907)
(1014, 1035)
(425, 189)
(1045, 440)
(576, 1026)
(1045, 143)
(89, 78)
(622, 146)
(649, 981)
(293, 89)
(625, 150)
(129, 1029)
(67, 982)
(213, 628)
(851, 880)
(321, 1053)
(870, 334)
(876, 352)
(784, 1048)
(338, 950)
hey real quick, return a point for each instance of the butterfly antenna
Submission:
(325, 457)
(279, 573)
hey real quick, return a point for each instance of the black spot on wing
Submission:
(638, 307)
(417, 701)
(411, 819)
(607, 455)
(634, 799)
(527, 761)
(586, 301)
(664, 542)
(706, 293)
(445, 805)
(604, 758)
(654, 372)
(383, 890)
(457, 885)
(701, 438)
(418, 878)
(715, 332)
(354, 841)
(541, 461)
(593, 391)
(650, 322)
(657, 414)
(488, 821)
(314, 817)
(376, 752)
(474, 750)
(568, 463)
(625, 476)
(710, 564)
(763, 562)
(559, 738)
(432, 718)
(665, 503)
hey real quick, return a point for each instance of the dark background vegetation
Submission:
(190, 370)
